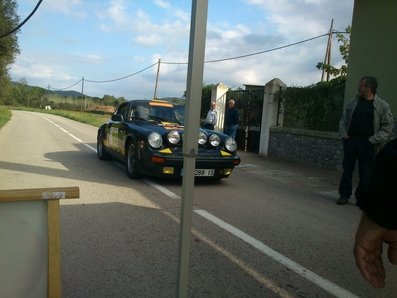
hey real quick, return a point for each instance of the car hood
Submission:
(162, 127)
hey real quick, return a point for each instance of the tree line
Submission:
(9, 48)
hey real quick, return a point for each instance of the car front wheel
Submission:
(132, 164)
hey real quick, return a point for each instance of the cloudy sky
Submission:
(104, 40)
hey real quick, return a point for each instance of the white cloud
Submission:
(94, 58)
(162, 3)
(149, 40)
(29, 67)
(67, 7)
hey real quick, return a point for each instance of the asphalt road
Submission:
(271, 230)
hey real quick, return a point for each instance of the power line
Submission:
(118, 79)
(261, 52)
(106, 81)
(67, 87)
(210, 61)
(23, 23)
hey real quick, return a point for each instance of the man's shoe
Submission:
(342, 201)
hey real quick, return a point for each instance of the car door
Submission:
(117, 129)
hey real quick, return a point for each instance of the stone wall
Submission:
(311, 147)
(317, 148)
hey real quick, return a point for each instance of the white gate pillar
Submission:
(271, 104)
(218, 95)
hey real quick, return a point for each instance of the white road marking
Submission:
(162, 189)
(68, 133)
(323, 283)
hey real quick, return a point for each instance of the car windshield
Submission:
(161, 112)
(179, 112)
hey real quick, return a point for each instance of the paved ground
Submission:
(281, 169)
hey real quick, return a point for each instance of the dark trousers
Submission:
(356, 150)
(209, 126)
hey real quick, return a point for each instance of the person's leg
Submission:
(349, 162)
(233, 131)
(365, 160)
(226, 130)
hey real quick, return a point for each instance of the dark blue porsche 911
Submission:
(147, 135)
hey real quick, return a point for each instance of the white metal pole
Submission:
(198, 27)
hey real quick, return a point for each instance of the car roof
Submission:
(154, 102)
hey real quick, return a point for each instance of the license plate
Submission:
(202, 172)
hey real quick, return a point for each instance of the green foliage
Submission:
(84, 117)
(317, 107)
(9, 44)
(21, 94)
(5, 115)
(205, 99)
(344, 51)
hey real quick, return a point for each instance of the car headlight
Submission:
(155, 140)
(202, 138)
(215, 140)
(231, 145)
(173, 137)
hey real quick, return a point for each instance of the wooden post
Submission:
(52, 197)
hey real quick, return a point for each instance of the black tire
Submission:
(100, 148)
(131, 161)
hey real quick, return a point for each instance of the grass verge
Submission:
(5, 115)
(84, 117)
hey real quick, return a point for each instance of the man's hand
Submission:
(368, 250)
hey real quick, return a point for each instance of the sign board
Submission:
(30, 244)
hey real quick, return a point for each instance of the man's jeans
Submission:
(361, 150)
(231, 130)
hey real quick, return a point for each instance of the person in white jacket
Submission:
(212, 117)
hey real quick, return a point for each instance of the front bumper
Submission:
(157, 164)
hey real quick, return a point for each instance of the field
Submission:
(94, 119)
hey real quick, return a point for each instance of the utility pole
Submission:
(82, 95)
(157, 80)
(327, 58)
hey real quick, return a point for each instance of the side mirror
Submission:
(117, 118)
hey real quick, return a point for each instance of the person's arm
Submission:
(368, 250)
(342, 125)
(386, 126)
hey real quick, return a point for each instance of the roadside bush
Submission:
(317, 107)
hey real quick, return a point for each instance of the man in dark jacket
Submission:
(366, 124)
(231, 119)
(379, 220)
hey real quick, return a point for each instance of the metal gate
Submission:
(249, 104)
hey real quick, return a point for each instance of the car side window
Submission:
(123, 111)
(140, 112)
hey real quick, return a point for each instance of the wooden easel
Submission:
(51, 196)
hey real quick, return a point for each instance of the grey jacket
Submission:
(383, 120)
